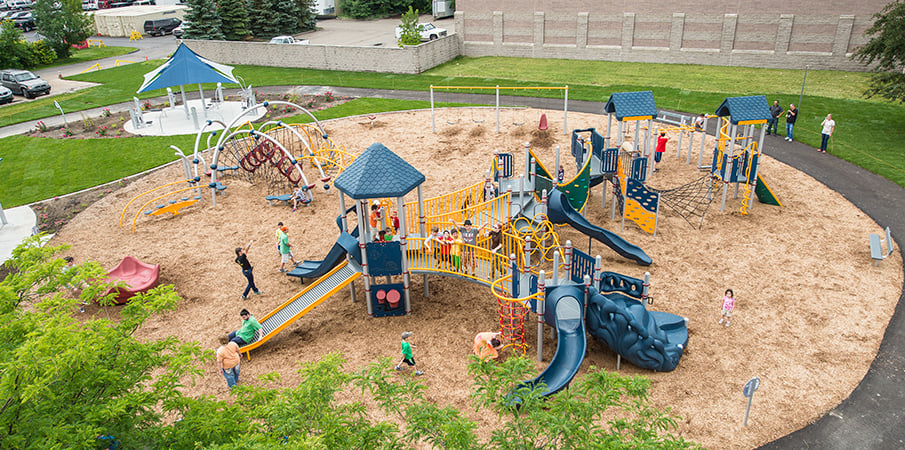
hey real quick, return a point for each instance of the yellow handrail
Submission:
(155, 199)
(123, 215)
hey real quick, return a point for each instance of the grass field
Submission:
(869, 132)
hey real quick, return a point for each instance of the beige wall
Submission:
(411, 59)
(770, 33)
(120, 22)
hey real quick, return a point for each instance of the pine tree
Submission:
(234, 19)
(205, 22)
(287, 14)
(307, 18)
(262, 19)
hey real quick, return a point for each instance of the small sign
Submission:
(751, 386)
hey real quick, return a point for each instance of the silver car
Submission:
(6, 95)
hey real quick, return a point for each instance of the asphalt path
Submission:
(872, 416)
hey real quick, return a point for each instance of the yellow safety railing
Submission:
(95, 43)
(134, 36)
(122, 62)
(463, 260)
(489, 213)
(95, 66)
(445, 204)
(749, 186)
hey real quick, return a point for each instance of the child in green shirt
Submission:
(407, 356)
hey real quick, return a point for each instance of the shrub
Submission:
(39, 53)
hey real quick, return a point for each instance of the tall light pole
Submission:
(3, 214)
(802, 85)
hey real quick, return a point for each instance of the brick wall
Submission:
(752, 38)
(411, 59)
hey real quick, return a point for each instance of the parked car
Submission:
(24, 83)
(287, 40)
(19, 5)
(24, 20)
(6, 95)
(161, 26)
(427, 31)
(180, 30)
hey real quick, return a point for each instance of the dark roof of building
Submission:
(632, 104)
(751, 109)
(378, 173)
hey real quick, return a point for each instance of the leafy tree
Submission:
(409, 28)
(234, 19)
(886, 48)
(600, 410)
(14, 51)
(307, 18)
(206, 23)
(364, 9)
(66, 380)
(62, 23)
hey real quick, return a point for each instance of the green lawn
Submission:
(88, 54)
(869, 132)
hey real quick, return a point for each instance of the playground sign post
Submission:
(55, 103)
(748, 391)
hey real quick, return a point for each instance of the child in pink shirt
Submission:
(728, 304)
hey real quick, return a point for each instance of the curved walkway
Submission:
(872, 416)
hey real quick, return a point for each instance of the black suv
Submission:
(24, 83)
(161, 26)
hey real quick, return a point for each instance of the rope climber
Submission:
(689, 200)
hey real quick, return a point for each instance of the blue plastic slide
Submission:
(315, 269)
(559, 211)
(564, 308)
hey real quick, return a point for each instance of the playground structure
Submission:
(273, 154)
(456, 96)
(131, 277)
(516, 278)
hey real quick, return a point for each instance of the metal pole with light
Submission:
(3, 214)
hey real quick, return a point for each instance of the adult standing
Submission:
(791, 116)
(228, 358)
(242, 261)
(248, 332)
(775, 112)
(829, 125)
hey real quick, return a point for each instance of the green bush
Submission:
(39, 53)
(13, 48)
(365, 9)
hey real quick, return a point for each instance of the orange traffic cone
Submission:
(543, 122)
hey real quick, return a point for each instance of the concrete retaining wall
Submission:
(750, 39)
(410, 59)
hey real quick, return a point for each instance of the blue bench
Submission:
(220, 187)
(876, 247)
(281, 198)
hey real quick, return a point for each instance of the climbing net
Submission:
(690, 200)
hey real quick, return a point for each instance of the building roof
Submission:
(745, 110)
(142, 10)
(378, 173)
(632, 104)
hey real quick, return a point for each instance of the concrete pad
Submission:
(20, 221)
(173, 121)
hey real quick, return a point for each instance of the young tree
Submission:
(409, 28)
(234, 19)
(886, 48)
(62, 23)
(205, 20)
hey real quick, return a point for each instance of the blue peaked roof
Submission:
(745, 109)
(632, 104)
(378, 173)
(186, 67)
